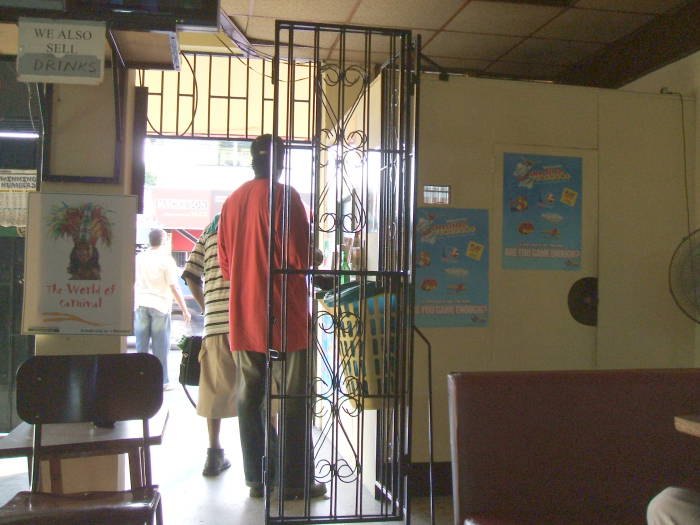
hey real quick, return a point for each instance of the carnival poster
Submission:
(452, 270)
(542, 200)
(79, 264)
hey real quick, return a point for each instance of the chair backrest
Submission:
(82, 388)
(102, 389)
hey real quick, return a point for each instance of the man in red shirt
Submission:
(244, 230)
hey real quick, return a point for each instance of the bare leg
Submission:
(216, 461)
(214, 427)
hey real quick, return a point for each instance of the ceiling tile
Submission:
(546, 51)
(631, 6)
(256, 28)
(526, 71)
(306, 10)
(469, 45)
(425, 14)
(502, 18)
(593, 25)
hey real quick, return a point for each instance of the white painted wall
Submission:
(633, 217)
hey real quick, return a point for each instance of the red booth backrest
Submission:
(579, 444)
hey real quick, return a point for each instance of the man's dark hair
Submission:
(155, 237)
(261, 152)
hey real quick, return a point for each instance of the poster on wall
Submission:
(15, 185)
(452, 267)
(79, 264)
(541, 212)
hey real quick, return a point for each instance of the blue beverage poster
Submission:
(541, 212)
(452, 267)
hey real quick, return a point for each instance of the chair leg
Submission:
(159, 513)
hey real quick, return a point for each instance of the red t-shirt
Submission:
(243, 256)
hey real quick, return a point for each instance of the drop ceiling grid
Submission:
(331, 11)
(551, 51)
(501, 18)
(469, 45)
(593, 25)
(423, 14)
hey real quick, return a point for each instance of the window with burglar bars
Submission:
(436, 194)
(224, 97)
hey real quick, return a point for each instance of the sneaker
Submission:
(216, 462)
(168, 387)
(315, 491)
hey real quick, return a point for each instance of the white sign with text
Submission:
(61, 51)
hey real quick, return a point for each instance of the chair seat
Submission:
(42, 508)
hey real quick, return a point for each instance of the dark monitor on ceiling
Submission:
(145, 15)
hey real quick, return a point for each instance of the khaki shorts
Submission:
(218, 379)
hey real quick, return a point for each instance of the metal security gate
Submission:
(359, 196)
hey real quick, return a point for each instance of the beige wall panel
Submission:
(643, 218)
(631, 151)
(83, 133)
(543, 114)
(463, 129)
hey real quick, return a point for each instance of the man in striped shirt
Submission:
(217, 380)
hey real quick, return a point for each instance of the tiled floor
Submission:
(190, 498)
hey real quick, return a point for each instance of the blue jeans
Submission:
(154, 326)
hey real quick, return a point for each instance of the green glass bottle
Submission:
(344, 266)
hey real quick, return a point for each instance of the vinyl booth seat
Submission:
(568, 447)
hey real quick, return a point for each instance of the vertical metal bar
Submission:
(177, 106)
(162, 90)
(36, 457)
(208, 99)
(228, 101)
(247, 96)
(270, 309)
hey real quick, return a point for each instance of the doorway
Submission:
(353, 114)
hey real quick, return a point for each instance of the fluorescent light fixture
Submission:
(27, 135)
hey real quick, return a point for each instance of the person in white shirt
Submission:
(674, 506)
(154, 288)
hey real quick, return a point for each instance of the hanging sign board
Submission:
(61, 51)
(79, 264)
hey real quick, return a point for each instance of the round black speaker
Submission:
(583, 301)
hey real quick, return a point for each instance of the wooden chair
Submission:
(102, 389)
